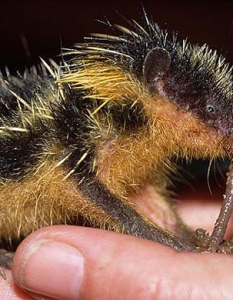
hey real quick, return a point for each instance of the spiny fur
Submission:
(79, 141)
(197, 71)
(129, 50)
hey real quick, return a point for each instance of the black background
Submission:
(46, 25)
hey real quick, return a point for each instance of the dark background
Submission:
(46, 25)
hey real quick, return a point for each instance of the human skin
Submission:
(68, 262)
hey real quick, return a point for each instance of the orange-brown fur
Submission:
(124, 163)
(170, 131)
(43, 199)
(46, 197)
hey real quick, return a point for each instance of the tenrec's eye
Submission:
(210, 109)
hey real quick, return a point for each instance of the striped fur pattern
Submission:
(79, 142)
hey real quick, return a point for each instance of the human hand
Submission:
(114, 266)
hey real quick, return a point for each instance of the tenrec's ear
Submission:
(156, 64)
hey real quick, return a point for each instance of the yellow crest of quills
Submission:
(80, 141)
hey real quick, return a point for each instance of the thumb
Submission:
(68, 262)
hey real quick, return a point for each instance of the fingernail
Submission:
(52, 269)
